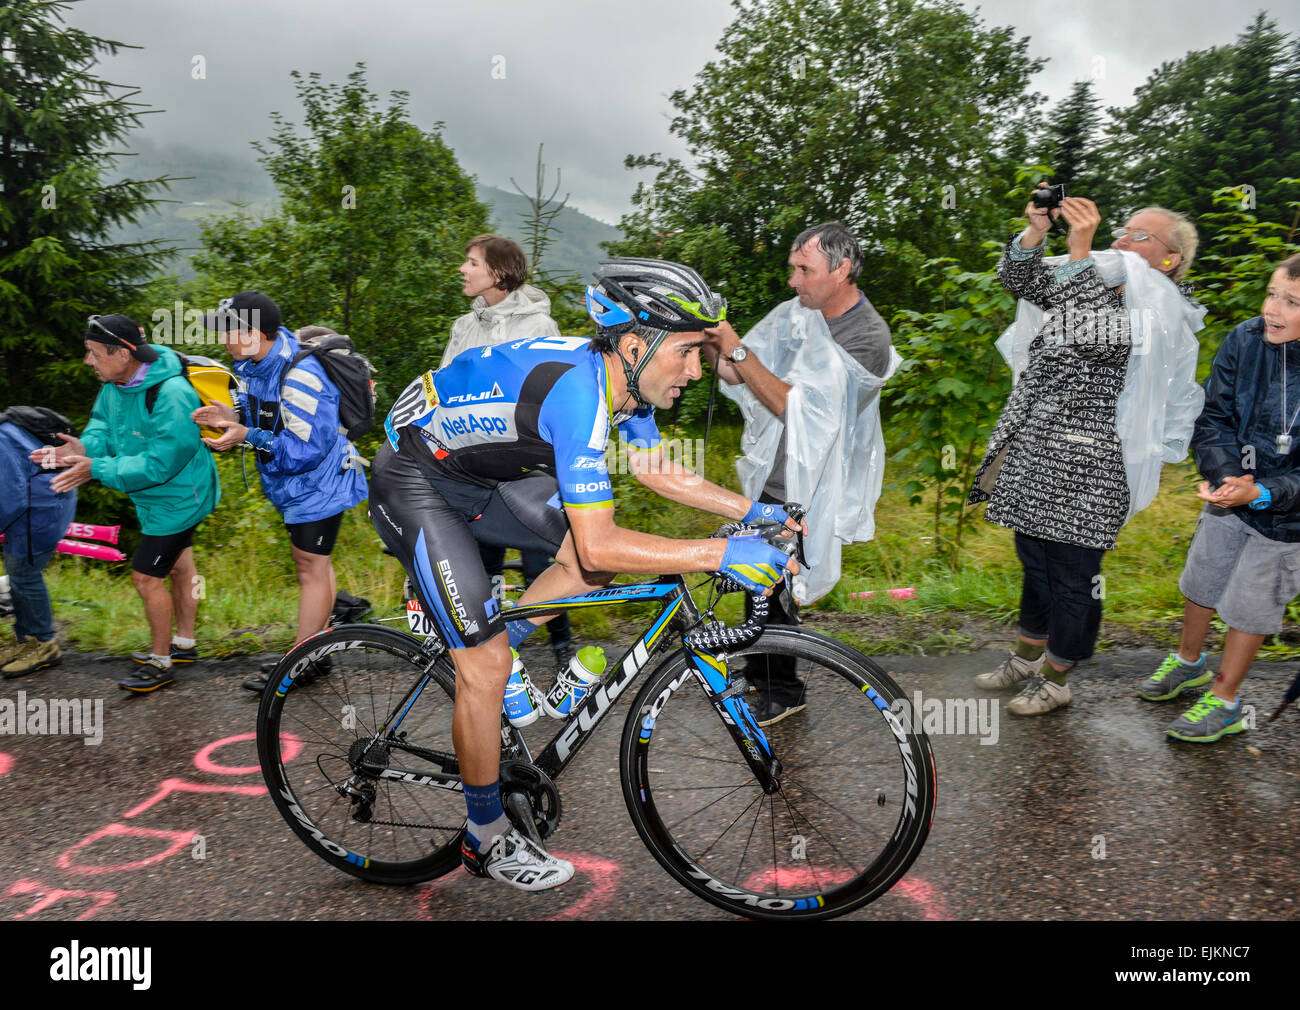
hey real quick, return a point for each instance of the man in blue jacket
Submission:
(1244, 561)
(32, 518)
(290, 417)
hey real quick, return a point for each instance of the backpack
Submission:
(213, 381)
(40, 422)
(350, 372)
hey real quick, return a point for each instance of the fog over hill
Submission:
(214, 183)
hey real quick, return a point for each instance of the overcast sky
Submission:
(589, 78)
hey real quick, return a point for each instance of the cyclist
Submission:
(506, 446)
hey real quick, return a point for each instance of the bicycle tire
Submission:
(678, 763)
(414, 831)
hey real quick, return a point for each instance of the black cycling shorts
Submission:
(157, 554)
(317, 536)
(434, 525)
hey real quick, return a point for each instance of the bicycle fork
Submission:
(727, 696)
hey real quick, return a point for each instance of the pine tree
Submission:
(58, 258)
(1072, 142)
(1227, 116)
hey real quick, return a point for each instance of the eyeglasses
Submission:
(94, 321)
(1138, 235)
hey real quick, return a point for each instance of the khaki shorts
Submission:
(1236, 570)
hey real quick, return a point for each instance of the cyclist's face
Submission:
(675, 363)
(479, 280)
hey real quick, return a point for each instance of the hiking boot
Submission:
(1172, 677)
(518, 861)
(1208, 720)
(1013, 670)
(768, 711)
(1039, 695)
(9, 651)
(258, 681)
(30, 657)
(153, 676)
(563, 656)
(179, 655)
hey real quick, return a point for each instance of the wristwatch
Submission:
(739, 354)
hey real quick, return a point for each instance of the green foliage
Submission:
(898, 117)
(951, 383)
(58, 261)
(1217, 118)
(373, 219)
(1232, 277)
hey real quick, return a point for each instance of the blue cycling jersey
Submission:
(497, 413)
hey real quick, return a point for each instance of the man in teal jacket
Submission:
(141, 441)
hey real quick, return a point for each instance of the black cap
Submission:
(248, 310)
(120, 331)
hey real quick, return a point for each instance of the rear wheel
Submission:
(851, 809)
(383, 806)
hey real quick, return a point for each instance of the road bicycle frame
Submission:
(677, 610)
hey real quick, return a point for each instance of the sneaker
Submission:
(1172, 677)
(1013, 670)
(30, 657)
(153, 676)
(258, 681)
(179, 655)
(518, 861)
(767, 711)
(1039, 695)
(1208, 720)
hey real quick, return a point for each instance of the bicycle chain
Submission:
(404, 824)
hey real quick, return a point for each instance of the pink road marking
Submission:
(603, 874)
(924, 894)
(53, 895)
(168, 786)
(179, 840)
(604, 877)
(6, 763)
(203, 759)
(790, 878)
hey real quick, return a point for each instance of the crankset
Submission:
(530, 798)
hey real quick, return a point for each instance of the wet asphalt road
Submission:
(1087, 813)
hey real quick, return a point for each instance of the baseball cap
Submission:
(117, 330)
(248, 310)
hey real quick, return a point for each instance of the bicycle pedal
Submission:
(738, 686)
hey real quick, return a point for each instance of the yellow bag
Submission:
(213, 381)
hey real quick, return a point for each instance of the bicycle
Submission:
(814, 817)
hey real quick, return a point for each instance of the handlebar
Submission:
(776, 535)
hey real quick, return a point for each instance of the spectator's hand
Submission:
(1234, 491)
(1083, 217)
(1040, 221)
(722, 338)
(212, 413)
(58, 455)
(77, 473)
(236, 434)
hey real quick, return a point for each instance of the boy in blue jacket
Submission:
(33, 518)
(290, 416)
(1244, 562)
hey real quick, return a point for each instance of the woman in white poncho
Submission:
(1105, 359)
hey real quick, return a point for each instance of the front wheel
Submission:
(852, 804)
(360, 760)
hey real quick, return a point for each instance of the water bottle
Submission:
(521, 697)
(574, 681)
